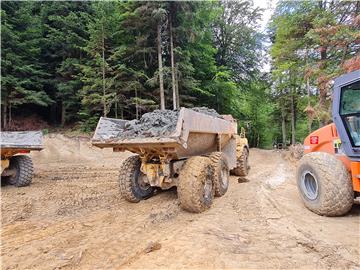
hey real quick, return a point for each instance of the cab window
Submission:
(350, 111)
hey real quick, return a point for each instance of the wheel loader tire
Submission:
(195, 187)
(324, 184)
(24, 171)
(221, 173)
(242, 163)
(132, 187)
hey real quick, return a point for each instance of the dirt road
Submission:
(71, 217)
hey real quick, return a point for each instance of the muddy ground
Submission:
(72, 217)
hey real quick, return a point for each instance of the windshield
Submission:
(350, 111)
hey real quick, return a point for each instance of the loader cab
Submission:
(350, 111)
(346, 112)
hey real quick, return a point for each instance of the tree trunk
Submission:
(309, 104)
(4, 119)
(136, 105)
(10, 116)
(116, 109)
(103, 72)
(293, 116)
(161, 80)
(172, 64)
(322, 85)
(177, 89)
(63, 113)
(283, 127)
(309, 118)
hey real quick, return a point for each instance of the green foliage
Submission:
(237, 41)
(83, 60)
(311, 42)
(22, 76)
(256, 111)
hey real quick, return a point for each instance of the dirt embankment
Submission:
(72, 217)
(60, 149)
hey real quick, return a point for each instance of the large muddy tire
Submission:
(325, 184)
(221, 173)
(242, 164)
(195, 188)
(24, 171)
(131, 181)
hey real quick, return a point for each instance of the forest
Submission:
(68, 63)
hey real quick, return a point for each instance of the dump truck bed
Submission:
(108, 130)
(195, 134)
(18, 141)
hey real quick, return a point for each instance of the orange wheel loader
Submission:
(328, 176)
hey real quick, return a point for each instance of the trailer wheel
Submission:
(195, 188)
(23, 171)
(221, 173)
(133, 188)
(325, 184)
(242, 164)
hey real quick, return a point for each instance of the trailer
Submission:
(196, 157)
(16, 168)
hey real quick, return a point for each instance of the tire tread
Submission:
(242, 164)
(127, 170)
(217, 161)
(25, 171)
(190, 187)
(338, 194)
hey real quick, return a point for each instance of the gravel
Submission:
(159, 123)
(207, 111)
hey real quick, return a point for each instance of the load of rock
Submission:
(207, 111)
(159, 123)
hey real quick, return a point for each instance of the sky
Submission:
(268, 6)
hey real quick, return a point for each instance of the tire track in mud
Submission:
(74, 201)
(329, 255)
(280, 219)
(63, 191)
(79, 221)
(254, 235)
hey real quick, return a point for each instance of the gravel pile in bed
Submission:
(158, 123)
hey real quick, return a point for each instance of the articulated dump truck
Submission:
(196, 157)
(16, 168)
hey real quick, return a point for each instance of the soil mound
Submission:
(296, 151)
(62, 148)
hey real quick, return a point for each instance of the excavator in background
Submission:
(328, 176)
